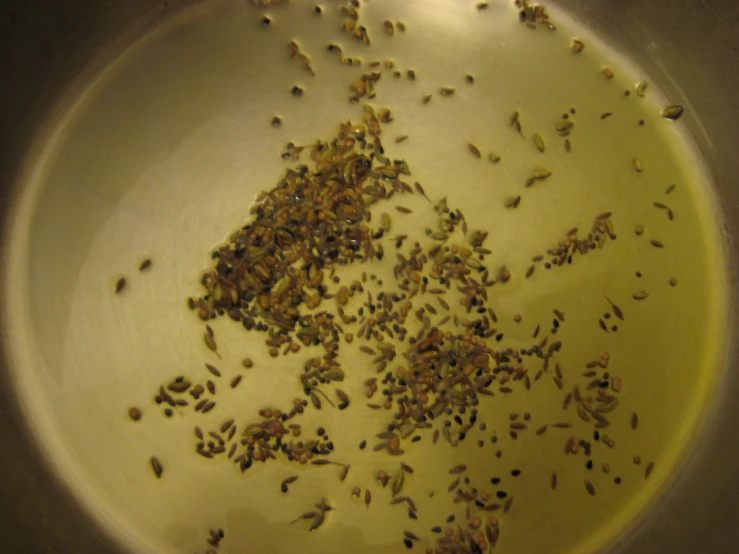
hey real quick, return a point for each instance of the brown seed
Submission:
(344, 472)
(411, 535)
(634, 420)
(315, 400)
(453, 485)
(577, 46)
(426, 98)
(673, 282)
(406, 467)
(235, 381)
(145, 264)
(656, 243)
(306, 515)
(208, 407)
(589, 487)
(553, 480)
(210, 342)
(213, 370)
(672, 112)
(367, 497)
(247, 363)
(120, 285)
(226, 425)
(156, 466)
(447, 91)
(616, 310)
(289, 480)
(458, 469)
(648, 470)
(134, 414)
(473, 150)
(403, 210)
(640, 295)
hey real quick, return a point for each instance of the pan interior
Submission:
(164, 153)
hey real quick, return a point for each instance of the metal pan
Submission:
(61, 54)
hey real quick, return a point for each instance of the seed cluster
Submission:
(429, 335)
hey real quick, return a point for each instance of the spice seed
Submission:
(577, 46)
(120, 285)
(634, 420)
(539, 142)
(648, 470)
(473, 150)
(553, 480)
(157, 467)
(638, 165)
(213, 370)
(656, 243)
(589, 487)
(145, 264)
(458, 469)
(235, 381)
(672, 112)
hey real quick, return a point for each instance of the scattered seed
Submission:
(213, 370)
(513, 202)
(638, 164)
(145, 264)
(120, 285)
(541, 174)
(315, 400)
(210, 342)
(672, 112)
(641, 88)
(656, 243)
(577, 46)
(648, 470)
(134, 414)
(157, 467)
(447, 91)
(458, 469)
(539, 142)
(640, 295)
(673, 282)
(474, 150)
(553, 480)
(616, 310)
(589, 487)
(634, 420)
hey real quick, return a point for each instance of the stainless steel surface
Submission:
(690, 49)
